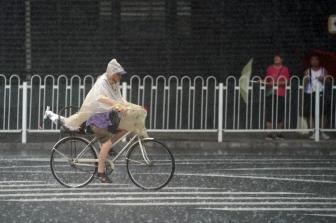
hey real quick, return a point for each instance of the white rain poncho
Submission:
(132, 119)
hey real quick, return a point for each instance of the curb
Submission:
(261, 147)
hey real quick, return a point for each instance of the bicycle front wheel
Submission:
(64, 165)
(150, 165)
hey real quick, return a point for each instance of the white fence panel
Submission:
(180, 104)
(10, 102)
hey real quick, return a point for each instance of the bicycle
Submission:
(149, 163)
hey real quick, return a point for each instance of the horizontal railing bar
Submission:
(328, 130)
(148, 130)
(43, 131)
(267, 130)
(10, 130)
(182, 130)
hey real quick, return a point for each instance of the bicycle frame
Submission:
(80, 152)
(83, 161)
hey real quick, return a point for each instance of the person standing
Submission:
(277, 75)
(315, 78)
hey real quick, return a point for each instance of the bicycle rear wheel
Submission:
(63, 163)
(157, 171)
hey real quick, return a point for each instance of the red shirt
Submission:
(278, 74)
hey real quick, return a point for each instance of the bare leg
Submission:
(323, 125)
(117, 136)
(105, 148)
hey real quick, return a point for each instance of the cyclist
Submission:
(96, 111)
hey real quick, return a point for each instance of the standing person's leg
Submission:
(312, 114)
(312, 111)
(324, 115)
(306, 108)
(309, 110)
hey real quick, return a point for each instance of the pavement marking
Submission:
(193, 188)
(258, 159)
(52, 185)
(142, 193)
(71, 172)
(261, 159)
(292, 175)
(294, 162)
(269, 209)
(38, 171)
(282, 162)
(32, 166)
(229, 200)
(47, 159)
(8, 159)
(255, 177)
(214, 204)
(234, 163)
(177, 201)
(322, 215)
(281, 168)
(61, 189)
(131, 186)
(97, 185)
(105, 185)
(19, 181)
(28, 185)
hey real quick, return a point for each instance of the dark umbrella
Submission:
(327, 59)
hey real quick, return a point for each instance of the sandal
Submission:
(103, 178)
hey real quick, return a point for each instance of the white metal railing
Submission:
(174, 104)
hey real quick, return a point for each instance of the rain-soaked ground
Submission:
(207, 187)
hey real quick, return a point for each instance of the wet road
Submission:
(207, 187)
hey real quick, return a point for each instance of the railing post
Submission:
(220, 112)
(317, 114)
(124, 94)
(24, 113)
(124, 90)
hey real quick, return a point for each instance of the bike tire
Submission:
(165, 177)
(89, 176)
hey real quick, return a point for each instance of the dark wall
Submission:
(213, 37)
(12, 38)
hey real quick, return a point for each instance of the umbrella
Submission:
(244, 81)
(327, 59)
